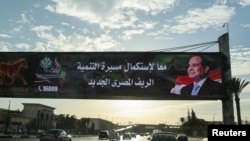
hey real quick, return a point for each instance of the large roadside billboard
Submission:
(106, 75)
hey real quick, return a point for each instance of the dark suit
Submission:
(209, 87)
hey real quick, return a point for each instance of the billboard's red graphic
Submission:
(10, 71)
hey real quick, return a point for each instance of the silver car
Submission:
(55, 135)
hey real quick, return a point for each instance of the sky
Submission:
(129, 25)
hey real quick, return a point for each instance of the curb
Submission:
(17, 136)
(6, 136)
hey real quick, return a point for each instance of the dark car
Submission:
(126, 136)
(55, 135)
(163, 136)
(182, 137)
(133, 135)
(103, 135)
(114, 136)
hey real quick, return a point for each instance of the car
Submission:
(163, 136)
(55, 135)
(114, 136)
(182, 137)
(104, 135)
(126, 136)
(133, 135)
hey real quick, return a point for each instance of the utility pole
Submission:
(7, 120)
(227, 103)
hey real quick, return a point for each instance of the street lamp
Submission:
(226, 24)
(8, 119)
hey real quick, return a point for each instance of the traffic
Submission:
(90, 138)
(104, 135)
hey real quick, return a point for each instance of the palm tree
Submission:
(236, 85)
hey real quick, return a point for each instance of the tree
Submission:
(182, 119)
(66, 121)
(236, 85)
(194, 125)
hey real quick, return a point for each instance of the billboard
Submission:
(108, 75)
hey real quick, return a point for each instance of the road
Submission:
(92, 138)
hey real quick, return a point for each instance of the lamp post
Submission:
(7, 120)
(226, 24)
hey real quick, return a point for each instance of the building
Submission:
(41, 116)
(35, 117)
(32, 118)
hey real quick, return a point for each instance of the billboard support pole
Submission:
(227, 103)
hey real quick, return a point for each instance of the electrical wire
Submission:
(189, 48)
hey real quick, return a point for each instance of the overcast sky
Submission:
(128, 25)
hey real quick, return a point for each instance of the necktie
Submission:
(195, 90)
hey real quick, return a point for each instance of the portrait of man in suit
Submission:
(203, 85)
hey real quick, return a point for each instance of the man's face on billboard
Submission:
(195, 69)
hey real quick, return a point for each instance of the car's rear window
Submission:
(52, 131)
(164, 136)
